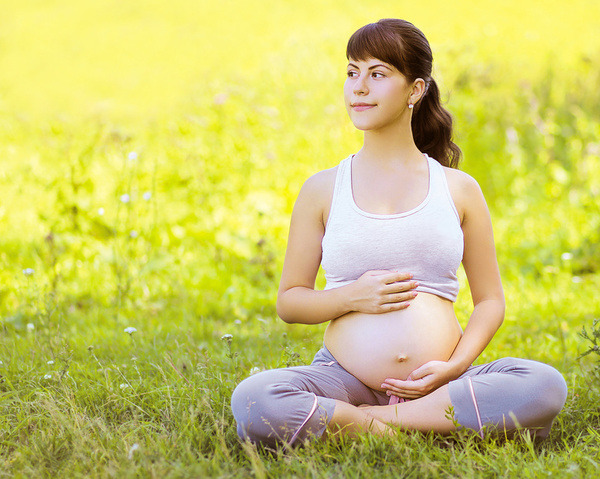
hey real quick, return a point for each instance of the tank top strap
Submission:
(345, 186)
(440, 192)
(342, 190)
(436, 182)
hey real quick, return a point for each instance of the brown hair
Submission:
(404, 46)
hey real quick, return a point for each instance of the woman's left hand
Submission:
(422, 380)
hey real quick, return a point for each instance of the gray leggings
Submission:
(292, 404)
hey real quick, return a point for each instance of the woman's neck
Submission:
(388, 146)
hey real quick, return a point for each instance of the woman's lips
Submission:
(362, 106)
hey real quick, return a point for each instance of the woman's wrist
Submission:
(346, 298)
(458, 366)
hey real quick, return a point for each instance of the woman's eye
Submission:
(350, 74)
(381, 75)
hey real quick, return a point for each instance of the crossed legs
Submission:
(294, 404)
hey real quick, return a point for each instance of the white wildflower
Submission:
(133, 448)
(1, 363)
(125, 198)
(50, 362)
(30, 326)
(566, 256)
(577, 279)
(147, 195)
(226, 337)
(254, 370)
(133, 234)
(132, 156)
(124, 386)
(28, 271)
(238, 321)
(130, 330)
(48, 376)
(101, 211)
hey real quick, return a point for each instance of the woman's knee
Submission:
(259, 405)
(249, 403)
(545, 385)
(533, 392)
(550, 388)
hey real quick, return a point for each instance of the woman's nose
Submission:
(360, 86)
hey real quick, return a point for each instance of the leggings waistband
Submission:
(324, 357)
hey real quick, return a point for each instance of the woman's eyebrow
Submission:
(372, 66)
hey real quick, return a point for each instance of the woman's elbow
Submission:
(502, 305)
(501, 310)
(285, 317)
(282, 310)
(495, 307)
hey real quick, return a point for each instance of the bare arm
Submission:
(297, 299)
(481, 266)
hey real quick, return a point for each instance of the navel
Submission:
(401, 357)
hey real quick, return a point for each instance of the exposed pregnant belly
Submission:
(373, 347)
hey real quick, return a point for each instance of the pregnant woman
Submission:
(390, 225)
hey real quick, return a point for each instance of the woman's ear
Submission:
(418, 90)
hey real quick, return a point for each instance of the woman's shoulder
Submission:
(460, 180)
(317, 192)
(322, 180)
(464, 190)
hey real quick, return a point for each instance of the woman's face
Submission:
(376, 94)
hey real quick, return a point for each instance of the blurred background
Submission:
(116, 60)
(151, 153)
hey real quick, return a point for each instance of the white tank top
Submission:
(426, 241)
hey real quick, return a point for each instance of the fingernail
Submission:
(414, 295)
(389, 393)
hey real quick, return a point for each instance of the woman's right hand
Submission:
(381, 291)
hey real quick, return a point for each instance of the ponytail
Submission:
(432, 128)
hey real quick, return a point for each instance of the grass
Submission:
(150, 161)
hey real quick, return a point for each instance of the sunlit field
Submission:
(150, 156)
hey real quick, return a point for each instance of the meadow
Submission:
(150, 157)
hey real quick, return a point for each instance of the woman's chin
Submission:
(364, 125)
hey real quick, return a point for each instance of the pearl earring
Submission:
(410, 105)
